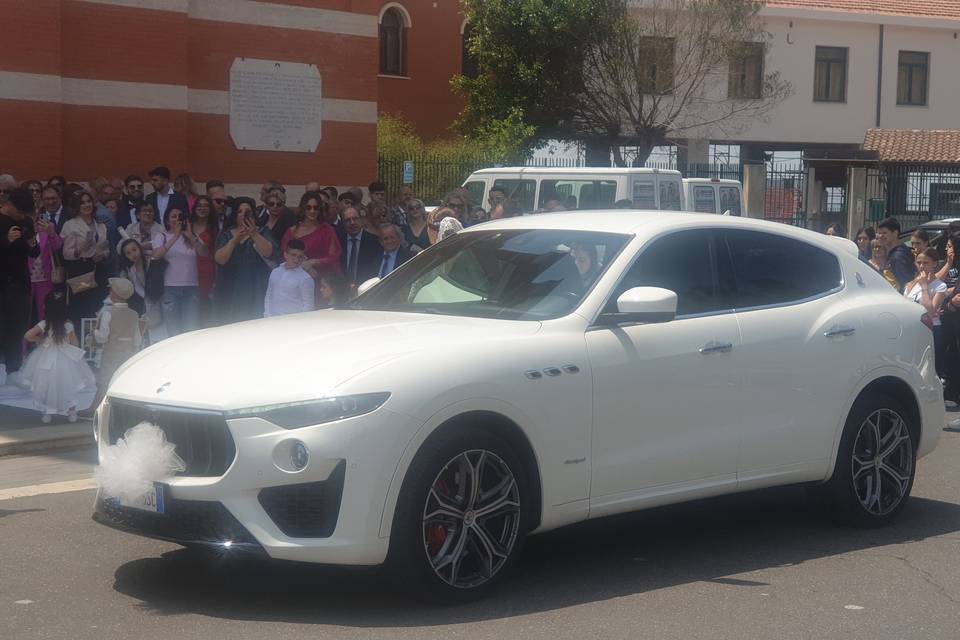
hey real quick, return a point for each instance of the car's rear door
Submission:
(800, 351)
(666, 395)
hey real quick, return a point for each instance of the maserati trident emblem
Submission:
(163, 387)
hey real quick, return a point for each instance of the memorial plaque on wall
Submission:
(274, 106)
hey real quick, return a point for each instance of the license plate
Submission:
(151, 500)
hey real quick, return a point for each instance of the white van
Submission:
(713, 195)
(531, 188)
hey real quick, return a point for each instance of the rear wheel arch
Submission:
(903, 392)
(886, 384)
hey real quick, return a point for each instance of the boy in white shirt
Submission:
(290, 289)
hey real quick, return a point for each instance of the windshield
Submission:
(527, 274)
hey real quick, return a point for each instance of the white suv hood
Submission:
(290, 358)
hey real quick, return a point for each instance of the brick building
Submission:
(106, 87)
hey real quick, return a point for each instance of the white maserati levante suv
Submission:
(530, 373)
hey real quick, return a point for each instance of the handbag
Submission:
(83, 282)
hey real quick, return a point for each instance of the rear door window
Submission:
(704, 200)
(670, 195)
(519, 192)
(730, 201)
(579, 194)
(770, 269)
(644, 196)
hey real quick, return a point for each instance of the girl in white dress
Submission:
(56, 372)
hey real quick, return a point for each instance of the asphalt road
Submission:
(743, 567)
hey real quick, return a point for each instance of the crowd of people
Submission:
(177, 260)
(928, 276)
(191, 260)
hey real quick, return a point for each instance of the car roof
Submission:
(647, 222)
(723, 181)
(609, 171)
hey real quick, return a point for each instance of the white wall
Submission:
(800, 119)
(943, 100)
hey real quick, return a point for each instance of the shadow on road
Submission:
(699, 541)
(12, 512)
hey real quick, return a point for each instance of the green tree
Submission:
(619, 72)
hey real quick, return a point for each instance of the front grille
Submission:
(202, 439)
(183, 521)
(307, 510)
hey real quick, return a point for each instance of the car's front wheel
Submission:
(461, 517)
(875, 466)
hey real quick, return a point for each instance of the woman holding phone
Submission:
(243, 267)
(180, 247)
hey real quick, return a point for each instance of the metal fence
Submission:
(913, 194)
(785, 195)
(434, 177)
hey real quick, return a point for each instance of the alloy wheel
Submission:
(882, 462)
(471, 518)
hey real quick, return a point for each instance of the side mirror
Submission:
(643, 305)
(363, 288)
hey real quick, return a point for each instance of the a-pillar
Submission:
(755, 189)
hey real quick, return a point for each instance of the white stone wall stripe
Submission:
(142, 95)
(285, 16)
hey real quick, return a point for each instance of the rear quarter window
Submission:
(770, 269)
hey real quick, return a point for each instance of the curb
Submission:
(34, 446)
(47, 438)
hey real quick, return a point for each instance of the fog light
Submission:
(299, 456)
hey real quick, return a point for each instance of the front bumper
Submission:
(329, 512)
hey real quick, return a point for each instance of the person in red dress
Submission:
(205, 227)
(322, 248)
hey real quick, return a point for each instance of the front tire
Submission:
(461, 518)
(876, 464)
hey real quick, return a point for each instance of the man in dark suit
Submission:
(164, 198)
(53, 209)
(360, 258)
(393, 255)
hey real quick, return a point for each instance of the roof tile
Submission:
(949, 9)
(915, 145)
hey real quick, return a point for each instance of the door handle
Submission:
(839, 330)
(716, 347)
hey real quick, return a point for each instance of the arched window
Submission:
(391, 43)
(468, 62)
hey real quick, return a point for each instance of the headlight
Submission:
(304, 414)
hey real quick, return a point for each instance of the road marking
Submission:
(853, 607)
(44, 489)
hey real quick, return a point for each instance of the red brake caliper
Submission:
(436, 533)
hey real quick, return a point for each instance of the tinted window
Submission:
(704, 200)
(771, 269)
(682, 262)
(730, 200)
(589, 194)
(670, 195)
(520, 192)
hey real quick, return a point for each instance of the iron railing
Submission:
(913, 193)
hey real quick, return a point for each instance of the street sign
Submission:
(408, 172)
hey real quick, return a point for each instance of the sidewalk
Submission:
(21, 430)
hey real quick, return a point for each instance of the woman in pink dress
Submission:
(322, 248)
(41, 267)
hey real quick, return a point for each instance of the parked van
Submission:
(531, 188)
(712, 195)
